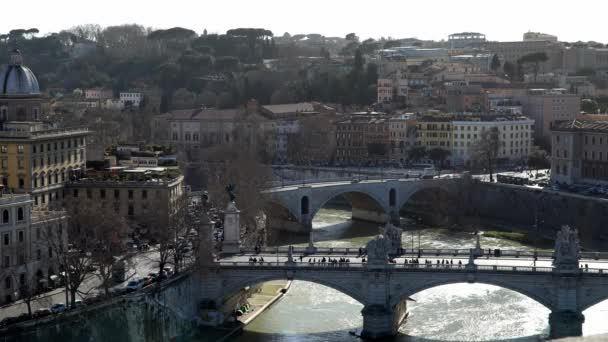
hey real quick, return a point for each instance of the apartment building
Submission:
(579, 152)
(515, 135)
(146, 198)
(27, 261)
(546, 106)
(435, 131)
(402, 134)
(38, 160)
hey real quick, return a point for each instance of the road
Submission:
(140, 265)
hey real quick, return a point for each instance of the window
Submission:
(20, 148)
(130, 212)
(3, 149)
(117, 194)
(20, 214)
(89, 194)
(21, 236)
(50, 252)
(21, 182)
(75, 193)
(6, 239)
(5, 216)
(38, 254)
(102, 193)
(38, 233)
(7, 282)
(144, 194)
(4, 163)
(130, 194)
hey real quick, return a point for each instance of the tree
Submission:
(72, 258)
(485, 150)
(495, 63)
(417, 153)
(352, 37)
(538, 160)
(509, 69)
(439, 155)
(534, 59)
(107, 232)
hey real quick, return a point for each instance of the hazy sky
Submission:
(498, 19)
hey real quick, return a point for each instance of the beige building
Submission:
(38, 160)
(435, 131)
(27, 261)
(579, 152)
(402, 134)
(546, 106)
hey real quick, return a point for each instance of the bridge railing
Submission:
(425, 252)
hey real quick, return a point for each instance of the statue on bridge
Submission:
(567, 249)
(230, 190)
(393, 234)
(377, 250)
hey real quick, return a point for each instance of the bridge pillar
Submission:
(380, 318)
(566, 323)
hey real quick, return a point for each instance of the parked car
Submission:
(42, 312)
(153, 276)
(168, 271)
(58, 308)
(78, 303)
(135, 284)
(22, 318)
(8, 321)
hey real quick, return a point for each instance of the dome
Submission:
(17, 79)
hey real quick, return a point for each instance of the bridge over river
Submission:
(382, 277)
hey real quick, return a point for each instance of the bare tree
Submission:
(485, 150)
(73, 258)
(106, 232)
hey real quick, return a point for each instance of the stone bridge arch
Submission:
(438, 194)
(233, 283)
(366, 205)
(531, 289)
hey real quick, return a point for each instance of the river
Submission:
(469, 312)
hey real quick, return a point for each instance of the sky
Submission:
(502, 20)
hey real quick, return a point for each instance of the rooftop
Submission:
(581, 125)
(203, 114)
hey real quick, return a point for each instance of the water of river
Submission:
(458, 312)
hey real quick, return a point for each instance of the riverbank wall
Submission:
(526, 206)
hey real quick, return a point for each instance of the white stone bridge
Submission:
(561, 281)
(293, 207)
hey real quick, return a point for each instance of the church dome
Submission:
(17, 79)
